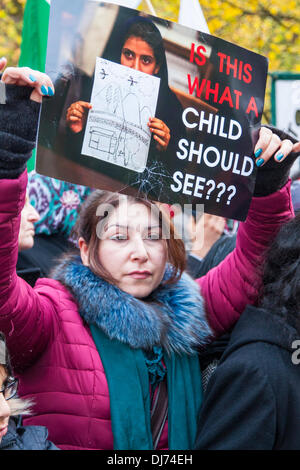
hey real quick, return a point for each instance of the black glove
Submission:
(18, 128)
(272, 176)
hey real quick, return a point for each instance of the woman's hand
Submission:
(161, 133)
(3, 63)
(19, 116)
(206, 232)
(275, 154)
(77, 114)
(270, 144)
(24, 76)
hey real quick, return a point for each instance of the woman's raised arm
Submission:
(25, 317)
(236, 282)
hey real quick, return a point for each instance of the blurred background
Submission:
(270, 28)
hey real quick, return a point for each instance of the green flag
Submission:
(34, 40)
(34, 34)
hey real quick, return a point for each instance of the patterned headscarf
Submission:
(57, 202)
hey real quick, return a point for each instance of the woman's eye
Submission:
(118, 237)
(147, 60)
(127, 53)
(153, 236)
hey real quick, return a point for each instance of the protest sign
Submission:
(199, 147)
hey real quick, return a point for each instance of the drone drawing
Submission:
(122, 101)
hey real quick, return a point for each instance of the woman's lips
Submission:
(3, 431)
(140, 274)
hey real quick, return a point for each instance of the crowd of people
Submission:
(104, 303)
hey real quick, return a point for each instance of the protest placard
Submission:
(115, 70)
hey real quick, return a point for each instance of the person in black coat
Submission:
(252, 400)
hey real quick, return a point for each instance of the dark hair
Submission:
(91, 218)
(5, 361)
(146, 30)
(281, 274)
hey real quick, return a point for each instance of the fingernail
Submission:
(44, 90)
(279, 156)
(258, 153)
(259, 162)
(50, 91)
(32, 78)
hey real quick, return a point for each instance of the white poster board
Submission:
(123, 100)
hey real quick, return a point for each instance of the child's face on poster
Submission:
(138, 54)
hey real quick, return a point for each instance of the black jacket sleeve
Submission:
(18, 128)
(238, 411)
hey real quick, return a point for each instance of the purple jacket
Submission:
(52, 349)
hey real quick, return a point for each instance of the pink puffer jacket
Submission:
(53, 350)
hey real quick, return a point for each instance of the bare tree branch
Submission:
(263, 12)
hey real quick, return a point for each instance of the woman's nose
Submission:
(139, 250)
(34, 216)
(4, 409)
(136, 64)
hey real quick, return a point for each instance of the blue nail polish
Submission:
(259, 162)
(32, 78)
(44, 90)
(279, 156)
(50, 91)
(258, 153)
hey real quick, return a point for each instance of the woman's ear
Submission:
(156, 70)
(84, 251)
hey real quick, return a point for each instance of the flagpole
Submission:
(150, 6)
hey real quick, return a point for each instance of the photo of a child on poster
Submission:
(146, 106)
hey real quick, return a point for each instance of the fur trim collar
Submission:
(174, 317)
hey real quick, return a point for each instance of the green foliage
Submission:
(268, 28)
(11, 18)
(164, 8)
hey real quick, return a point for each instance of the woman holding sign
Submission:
(140, 47)
(108, 347)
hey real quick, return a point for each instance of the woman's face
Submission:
(131, 249)
(26, 234)
(138, 55)
(4, 407)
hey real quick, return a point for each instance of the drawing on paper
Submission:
(123, 99)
